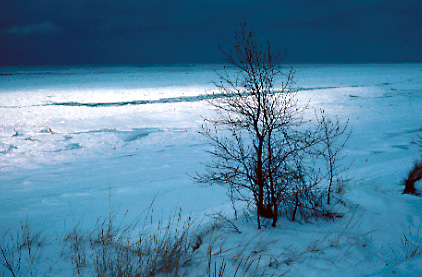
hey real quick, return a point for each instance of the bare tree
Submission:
(260, 140)
(333, 143)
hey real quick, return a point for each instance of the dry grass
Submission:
(112, 250)
(411, 245)
(21, 252)
(178, 247)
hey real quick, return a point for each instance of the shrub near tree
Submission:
(263, 150)
(415, 174)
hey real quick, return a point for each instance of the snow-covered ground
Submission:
(81, 143)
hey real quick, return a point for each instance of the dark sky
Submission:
(54, 32)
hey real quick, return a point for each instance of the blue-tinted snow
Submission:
(65, 163)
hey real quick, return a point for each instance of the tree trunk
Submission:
(331, 176)
(275, 215)
(260, 179)
(329, 189)
(296, 204)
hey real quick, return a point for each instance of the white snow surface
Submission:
(78, 143)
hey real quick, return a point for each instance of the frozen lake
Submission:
(48, 113)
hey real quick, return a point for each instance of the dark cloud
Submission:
(42, 28)
(185, 31)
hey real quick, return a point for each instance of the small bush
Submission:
(414, 175)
